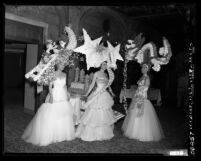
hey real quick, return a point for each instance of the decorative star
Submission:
(89, 48)
(114, 51)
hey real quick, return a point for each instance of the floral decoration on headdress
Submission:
(44, 72)
(147, 53)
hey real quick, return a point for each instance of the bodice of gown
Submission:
(60, 82)
(142, 89)
(101, 82)
(59, 90)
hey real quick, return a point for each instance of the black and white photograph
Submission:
(99, 79)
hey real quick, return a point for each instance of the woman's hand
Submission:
(111, 92)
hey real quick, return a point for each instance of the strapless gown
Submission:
(52, 122)
(97, 122)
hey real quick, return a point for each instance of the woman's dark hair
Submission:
(93, 69)
(101, 65)
(105, 70)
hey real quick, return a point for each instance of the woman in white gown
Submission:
(97, 122)
(53, 121)
(141, 122)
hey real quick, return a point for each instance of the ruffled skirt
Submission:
(97, 122)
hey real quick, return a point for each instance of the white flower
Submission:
(62, 43)
(56, 51)
(161, 51)
(162, 60)
(139, 57)
(133, 45)
(156, 67)
(127, 46)
(130, 41)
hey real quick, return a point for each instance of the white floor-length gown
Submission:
(147, 126)
(53, 122)
(97, 122)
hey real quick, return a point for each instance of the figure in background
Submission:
(141, 122)
(71, 72)
(116, 86)
(53, 121)
(97, 122)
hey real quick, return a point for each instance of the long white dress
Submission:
(97, 122)
(144, 127)
(53, 122)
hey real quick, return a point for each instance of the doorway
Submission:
(22, 36)
(19, 57)
(14, 70)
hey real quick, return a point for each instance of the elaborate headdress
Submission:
(44, 72)
(148, 53)
(96, 54)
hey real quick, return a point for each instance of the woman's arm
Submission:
(147, 82)
(50, 92)
(92, 84)
(50, 87)
(110, 89)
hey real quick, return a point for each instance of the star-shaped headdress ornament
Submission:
(96, 53)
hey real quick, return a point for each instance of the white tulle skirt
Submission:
(144, 128)
(97, 122)
(52, 123)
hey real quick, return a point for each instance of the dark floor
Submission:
(173, 121)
